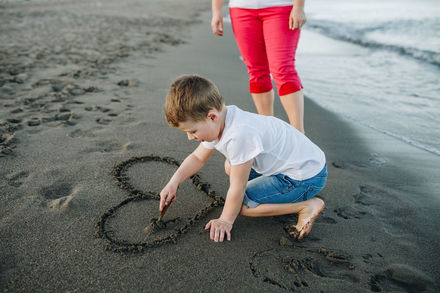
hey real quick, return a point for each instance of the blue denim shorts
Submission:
(281, 188)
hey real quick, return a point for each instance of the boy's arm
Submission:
(234, 199)
(189, 167)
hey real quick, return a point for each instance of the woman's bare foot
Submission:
(307, 216)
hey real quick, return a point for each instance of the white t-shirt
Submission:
(258, 4)
(275, 146)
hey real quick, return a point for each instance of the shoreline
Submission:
(371, 235)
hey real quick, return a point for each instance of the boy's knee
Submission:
(227, 167)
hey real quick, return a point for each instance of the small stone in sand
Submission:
(338, 165)
(91, 89)
(18, 110)
(34, 122)
(125, 82)
(103, 121)
(76, 91)
(63, 116)
(13, 120)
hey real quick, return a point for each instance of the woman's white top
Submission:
(258, 4)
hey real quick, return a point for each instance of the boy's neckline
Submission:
(223, 123)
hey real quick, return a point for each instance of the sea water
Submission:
(389, 78)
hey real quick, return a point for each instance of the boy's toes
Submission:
(293, 231)
(295, 234)
(305, 231)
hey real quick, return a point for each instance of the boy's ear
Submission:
(212, 115)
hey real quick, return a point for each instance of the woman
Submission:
(267, 34)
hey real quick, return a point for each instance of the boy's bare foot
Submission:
(307, 216)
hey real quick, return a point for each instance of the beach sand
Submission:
(82, 87)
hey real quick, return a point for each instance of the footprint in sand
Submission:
(374, 159)
(168, 39)
(103, 121)
(56, 190)
(84, 133)
(348, 164)
(122, 226)
(7, 137)
(16, 179)
(302, 268)
(59, 195)
(349, 212)
(106, 146)
(366, 195)
(17, 110)
(401, 278)
(361, 201)
(34, 121)
(327, 220)
(96, 108)
(108, 111)
(76, 74)
(14, 120)
(125, 83)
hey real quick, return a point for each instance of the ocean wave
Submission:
(403, 138)
(359, 34)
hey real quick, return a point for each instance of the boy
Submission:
(273, 168)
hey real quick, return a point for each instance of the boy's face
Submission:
(205, 130)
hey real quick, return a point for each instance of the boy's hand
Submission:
(168, 195)
(218, 230)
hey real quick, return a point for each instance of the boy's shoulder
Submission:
(248, 124)
(241, 127)
(239, 118)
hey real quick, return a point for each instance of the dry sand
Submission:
(81, 90)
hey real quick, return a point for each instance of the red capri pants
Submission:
(267, 46)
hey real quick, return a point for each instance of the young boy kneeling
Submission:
(273, 168)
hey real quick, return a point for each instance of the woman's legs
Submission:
(292, 103)
(248, 32)
(268, 45)
(264, 102)
(294, 106)
(281, 44)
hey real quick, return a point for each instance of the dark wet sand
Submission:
(81, 90)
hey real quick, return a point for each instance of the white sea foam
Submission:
(382, 68)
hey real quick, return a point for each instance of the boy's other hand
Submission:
(218, 230)
(167, 195)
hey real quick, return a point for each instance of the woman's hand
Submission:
(297, 18)
(217, 23)
(218, 230)
(168, 195)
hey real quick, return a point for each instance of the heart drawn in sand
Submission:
(119, 174)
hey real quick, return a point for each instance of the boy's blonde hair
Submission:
(191, 97)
